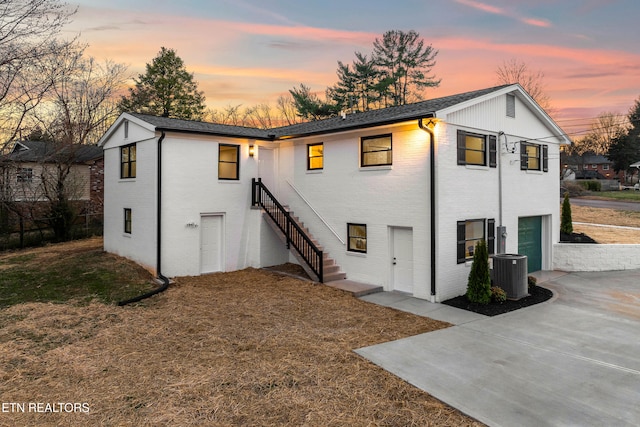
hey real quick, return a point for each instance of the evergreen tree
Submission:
(479, 284)
(405, 63)
(625, 149)
(566, 223)
(309, 106)
(166, 89)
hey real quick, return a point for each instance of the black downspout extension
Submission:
(165, 280)
(432, 191)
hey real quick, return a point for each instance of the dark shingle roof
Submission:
(169, 124)
(335, 124)
(380, 117)
(38, 151)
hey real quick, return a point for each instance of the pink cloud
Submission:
(484, 7)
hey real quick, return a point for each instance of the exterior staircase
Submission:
(307, 250)
(330, 270)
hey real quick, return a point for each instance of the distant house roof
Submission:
(596, 160)
(42, 151)
(390, 115)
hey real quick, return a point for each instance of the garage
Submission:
(530, 241)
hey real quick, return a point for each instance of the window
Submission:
(476, 149)
(511, 105)
(594, 166)
(357, 237)
(605, 167)
(376, 150)
(128, 161)
(315, 157)
(229, 162)
(24, 175)
(470, 232)
(127, 220)
(534, 157)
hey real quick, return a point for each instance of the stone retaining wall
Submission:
(595, 257)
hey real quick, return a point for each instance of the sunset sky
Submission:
(251, 51)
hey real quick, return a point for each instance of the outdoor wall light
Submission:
(252, 150)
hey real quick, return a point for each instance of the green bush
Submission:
(498, 294)
(531, 281)
(591, 185)
(479, 284)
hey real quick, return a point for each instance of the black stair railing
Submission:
(296, 237)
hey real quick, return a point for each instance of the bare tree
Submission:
(603, 131)
(515, 71)
(83, 99)
(28, 39)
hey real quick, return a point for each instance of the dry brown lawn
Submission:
(248, 348)
(607, 216)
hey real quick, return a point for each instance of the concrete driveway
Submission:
(572, 361)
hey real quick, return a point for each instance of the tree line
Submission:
(52, 91)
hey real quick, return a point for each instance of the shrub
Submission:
(498, 294)
(566, 223)
(531, 281)
(591, 185)
(573, 188)
(479, 284)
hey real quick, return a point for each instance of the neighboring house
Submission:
(590, 166)
(398, 197)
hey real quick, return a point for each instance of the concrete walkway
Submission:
(572, 361)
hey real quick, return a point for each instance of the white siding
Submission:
(469, 192)
(379, 197)
(137, 194)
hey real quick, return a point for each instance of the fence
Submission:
(20, 232)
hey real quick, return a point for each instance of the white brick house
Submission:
(397, 197)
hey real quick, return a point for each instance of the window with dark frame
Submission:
(477, 149)
(127, 220)
(376, 150)
(228, 162)
(470, 232)
(315, 156)
(357, 238)
(24, 175)
(534, 157)
(128, 161)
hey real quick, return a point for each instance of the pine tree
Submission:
(479, 284)
(166, 89)
(566, 224)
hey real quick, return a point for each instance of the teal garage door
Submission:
(530, 241)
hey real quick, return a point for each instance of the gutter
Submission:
(432, 191)
(165, 281)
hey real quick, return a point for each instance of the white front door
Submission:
(211, 243)
(402, 259)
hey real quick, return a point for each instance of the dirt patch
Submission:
(241, 348)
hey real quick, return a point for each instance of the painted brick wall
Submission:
(595, 257)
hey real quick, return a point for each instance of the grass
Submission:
(591, 215)
(629, 195)
(82, 273)
(242, 348)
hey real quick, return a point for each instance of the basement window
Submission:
(127, 220)
(470, 232)
(357, 238)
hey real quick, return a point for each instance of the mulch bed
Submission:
(575, 238)
(537, 294)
